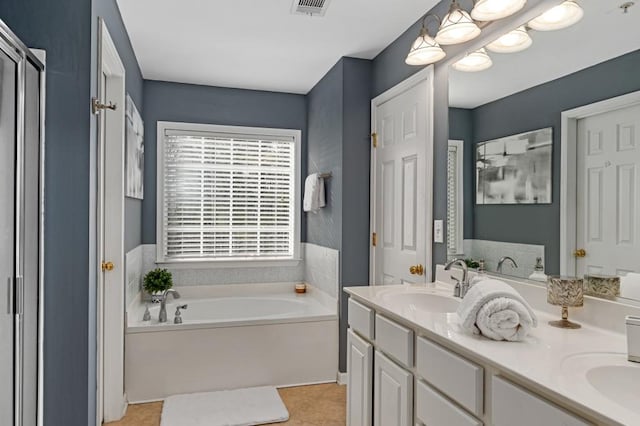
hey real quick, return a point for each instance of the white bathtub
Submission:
(231, 337)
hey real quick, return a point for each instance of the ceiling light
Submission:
(425, 50)
(457, 26)
(562, 16)
(490, 10)
(513, 41)
(474, 61)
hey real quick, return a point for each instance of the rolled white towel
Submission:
(493, 308)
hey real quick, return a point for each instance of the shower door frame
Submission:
(17, 50)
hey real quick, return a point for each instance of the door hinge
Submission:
(97, 106)
(374, 239)
(374, 139)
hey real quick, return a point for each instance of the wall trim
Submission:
(568, 171)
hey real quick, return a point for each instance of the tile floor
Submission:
(316, 405)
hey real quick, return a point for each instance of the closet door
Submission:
(8, 103)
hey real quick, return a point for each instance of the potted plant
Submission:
(156, 282)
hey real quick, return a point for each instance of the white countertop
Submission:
(537, 360)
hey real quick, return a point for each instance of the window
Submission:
(227, 193)
(455, 198)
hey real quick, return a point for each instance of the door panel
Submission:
(393, 393)
(359, 387)
(608, 223)
(8, 98)
(401, 218)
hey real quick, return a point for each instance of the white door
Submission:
(401, 180)
(392, 394)
(359, 384)
(608, 190)
(111, 403)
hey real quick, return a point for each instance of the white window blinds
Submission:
(227, 196)
(454, 198)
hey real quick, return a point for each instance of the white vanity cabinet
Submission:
(392, 393)
(513, 405)
(360, 379)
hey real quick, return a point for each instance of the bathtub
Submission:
(232, 336)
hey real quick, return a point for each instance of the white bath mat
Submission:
(240, 407)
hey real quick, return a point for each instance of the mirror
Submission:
(513, 188)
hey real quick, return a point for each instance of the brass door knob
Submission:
(107, 266)
(416, 270)
(580, 253)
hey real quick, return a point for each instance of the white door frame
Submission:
(425, 74)
(569, 170)
(110, 398)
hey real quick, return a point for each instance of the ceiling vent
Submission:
(310, 7)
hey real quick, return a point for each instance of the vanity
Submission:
(409, 363)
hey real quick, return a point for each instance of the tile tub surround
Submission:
(537, 361)
(491, 251)
(133, 273)
(322, 268)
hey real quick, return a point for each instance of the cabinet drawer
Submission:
(434, 409)
(395, 340)
(361, 319)
(511, 405)
(453, 375)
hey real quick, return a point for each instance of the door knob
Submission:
(580, 253)
(107, 266)
(416, 270)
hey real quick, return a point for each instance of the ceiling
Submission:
(603, 33)
(259, 44)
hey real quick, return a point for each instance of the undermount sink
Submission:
(609, 374)
(422, 301)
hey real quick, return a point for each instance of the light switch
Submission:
(438, 231)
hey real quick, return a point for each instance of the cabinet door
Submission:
(513, 405)
(393, 393)
(360, 376)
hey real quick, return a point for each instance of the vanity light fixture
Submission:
(474, 61)
(490, 10)
(513, 41)
(457, 26)
(561, 16)
(425, 50)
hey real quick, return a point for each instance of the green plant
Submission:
(158, 280)
(472, 263)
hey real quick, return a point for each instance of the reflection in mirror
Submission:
(506, 175)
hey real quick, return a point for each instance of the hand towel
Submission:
(494, 309)
(313, 193)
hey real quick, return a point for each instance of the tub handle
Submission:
(178, 317)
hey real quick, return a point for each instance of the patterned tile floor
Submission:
(316, 405)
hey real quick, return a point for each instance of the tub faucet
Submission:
(501, 261)
(462, 286)
(163, 303)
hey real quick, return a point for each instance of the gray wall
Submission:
(325, 121)
(190, 103)
(536, 108)
(461, 128)
(339, 110)
(63, 29)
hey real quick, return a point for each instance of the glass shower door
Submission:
(8, 107)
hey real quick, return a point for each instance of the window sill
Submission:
(236, 263)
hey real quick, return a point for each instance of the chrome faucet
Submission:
(501, 261)
(163, 303)
(462, 286)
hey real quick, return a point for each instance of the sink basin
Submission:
(605, 375)
(422, 301)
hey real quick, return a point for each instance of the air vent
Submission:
(310, 7)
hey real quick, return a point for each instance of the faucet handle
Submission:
(178, 316)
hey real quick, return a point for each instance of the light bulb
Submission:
(474, 61)
(513, 41)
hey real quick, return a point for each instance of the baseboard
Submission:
(342, 378)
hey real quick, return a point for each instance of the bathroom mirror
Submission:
(513, 188)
